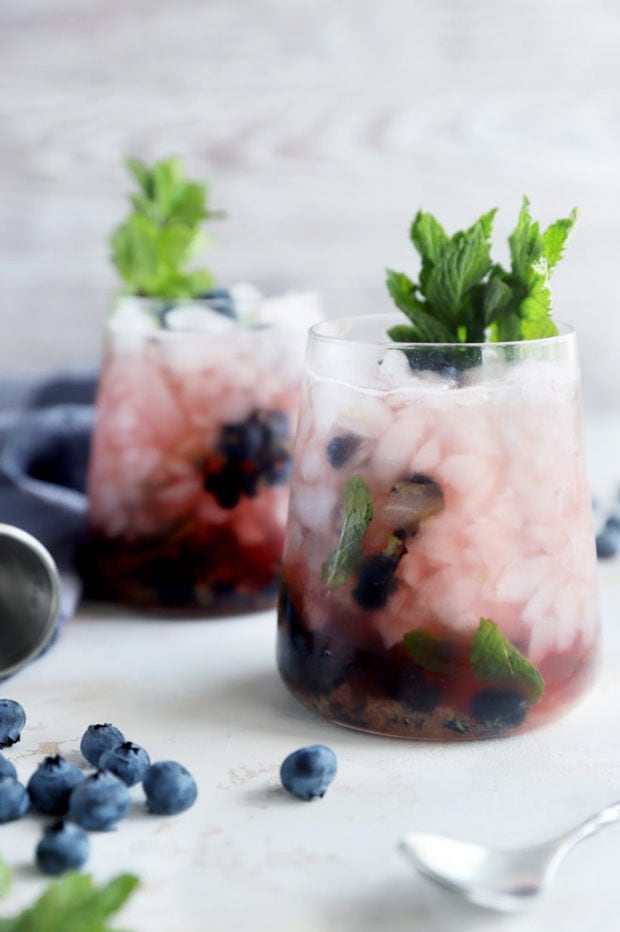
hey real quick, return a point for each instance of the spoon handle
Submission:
(606, 816)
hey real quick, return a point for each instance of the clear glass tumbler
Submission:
(189, 473)
(439, 575)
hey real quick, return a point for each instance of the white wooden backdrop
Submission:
(323, 125)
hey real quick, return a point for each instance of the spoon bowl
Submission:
(499, 879)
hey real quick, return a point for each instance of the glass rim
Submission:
(565, 333)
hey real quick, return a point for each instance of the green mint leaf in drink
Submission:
(430, 652)
(356, 516)
(74, 903)
(463, 297)
(155, 247)
(494, 658)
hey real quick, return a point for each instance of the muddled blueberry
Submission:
(450, 363)
(241, 442)
(307, 772)
(613, 523)
(254, 450)
(279, 472)
(607, 544)
(225, 485)
(220, 300)
(375, 580)
(498, 709)
(412, 501)
(340, 449)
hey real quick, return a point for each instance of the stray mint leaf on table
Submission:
(494, 658)
(5, 877)
(74, 904)
(356, 516)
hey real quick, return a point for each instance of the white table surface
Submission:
(247, 855)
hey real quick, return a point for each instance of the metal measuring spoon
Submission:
(503, 880)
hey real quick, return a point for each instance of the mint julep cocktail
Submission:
(439, 576)
(196, 411)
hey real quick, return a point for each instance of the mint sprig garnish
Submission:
(356, 516)
(463, 297)
(74, 904)
(494, 658)
(154, 247)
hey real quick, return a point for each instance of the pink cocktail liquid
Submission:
(189, 476)
(503, 531)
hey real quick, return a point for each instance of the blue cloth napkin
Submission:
(45, 434)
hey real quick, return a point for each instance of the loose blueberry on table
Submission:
(99, 802)
(308, 772)
(51, 784)
(128, 761)
(63, 847)
(14, 800)
(99, 738)
(12, 721)
(169, 788)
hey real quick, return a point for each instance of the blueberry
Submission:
(221, 300)
(277, 424)
(50, 785)
(226, 486)
(278, 471)
(375, 581)
(14, 801)
(63, 847)
(613, 523)
(607, 544)
(129, 762)
(307, 772)
(242, 442)
(99, 801)
(12, 721)
(6, 768)
(498, 709)
(340, 449)
(97, 739)
(169, 788)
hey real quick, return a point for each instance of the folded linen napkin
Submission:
(45, 433)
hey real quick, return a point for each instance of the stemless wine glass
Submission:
(439, 575)
(189, 473)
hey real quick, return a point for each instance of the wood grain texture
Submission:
(322, 126)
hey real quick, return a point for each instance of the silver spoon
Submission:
(503, 880)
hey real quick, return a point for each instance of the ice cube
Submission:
(294, 310)
(194, 316)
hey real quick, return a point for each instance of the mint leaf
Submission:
(555, 237)
(430, 652)
(5, 878)
(463, 263)
(357, 515)
(74, 904)
(154, 247)
(445, 305)
(462, 297)
(494, 658)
